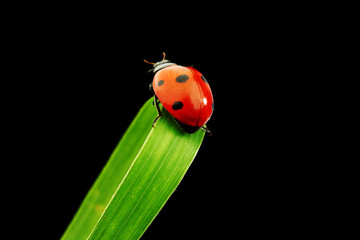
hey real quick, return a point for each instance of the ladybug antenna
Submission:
(164, 56)
(149, 62)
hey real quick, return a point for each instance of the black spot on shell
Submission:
(161, 82)
(203, 78)
(177, 105)
(182, 78)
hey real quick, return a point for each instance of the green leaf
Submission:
(141, 174)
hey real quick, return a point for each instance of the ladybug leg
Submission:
(157, 109)
(207, 130)
(152, 90)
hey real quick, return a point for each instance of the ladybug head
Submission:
(160, 65)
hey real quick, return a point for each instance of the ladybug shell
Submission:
(185, 94)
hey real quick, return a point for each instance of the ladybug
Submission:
(184, 93)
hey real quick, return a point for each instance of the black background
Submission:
(82, 80)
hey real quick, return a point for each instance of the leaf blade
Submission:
(153, 175)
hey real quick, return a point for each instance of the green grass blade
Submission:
(142, 173)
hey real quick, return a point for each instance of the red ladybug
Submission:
(184, 93)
